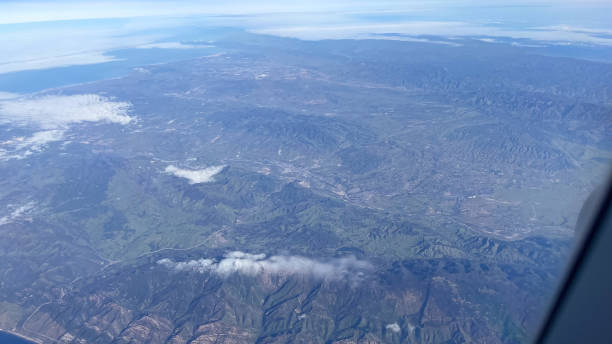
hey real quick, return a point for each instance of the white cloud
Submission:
(363, 30)
(195, 176)
(58, 111)
(40, 139)
(172, 45)
(517, 44)
(347, 268)
(8, 95)
(405, 38)
(59, 44)
(42, 11)
(54, 114)
(16, 213)
(22, 147)
(43, 34)
(568, 28)
(394, 327)
(56, 61)
(436, 28)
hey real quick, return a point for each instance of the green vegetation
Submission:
(457, 172)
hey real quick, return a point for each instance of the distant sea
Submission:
(30, 81)
(7, 338)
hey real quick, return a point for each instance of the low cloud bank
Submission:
(347, 268)
(56, 61)
(8, 95)
(173, 45)
(449, 29)
(58, 111)
(53, 114)
(205, 175)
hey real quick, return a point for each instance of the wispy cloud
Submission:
(437, 28)
(22, 147)
(172, 45)
(58, 111)
(56, 61)
(54, 115)
(205, 175)
(347, 268)
(8, 95)
(58, 44)
(40, 11)
(17, 212)
(44, 34)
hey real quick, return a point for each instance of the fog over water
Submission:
(46, 35)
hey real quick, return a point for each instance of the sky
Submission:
(32, 11)
(48, 34)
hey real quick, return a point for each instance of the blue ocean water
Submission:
(30, 81)
(7, 338)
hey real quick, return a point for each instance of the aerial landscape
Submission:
(251, 186)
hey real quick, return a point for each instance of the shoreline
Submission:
(85, 83)
(22, 336)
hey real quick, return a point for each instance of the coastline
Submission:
(22, 336)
